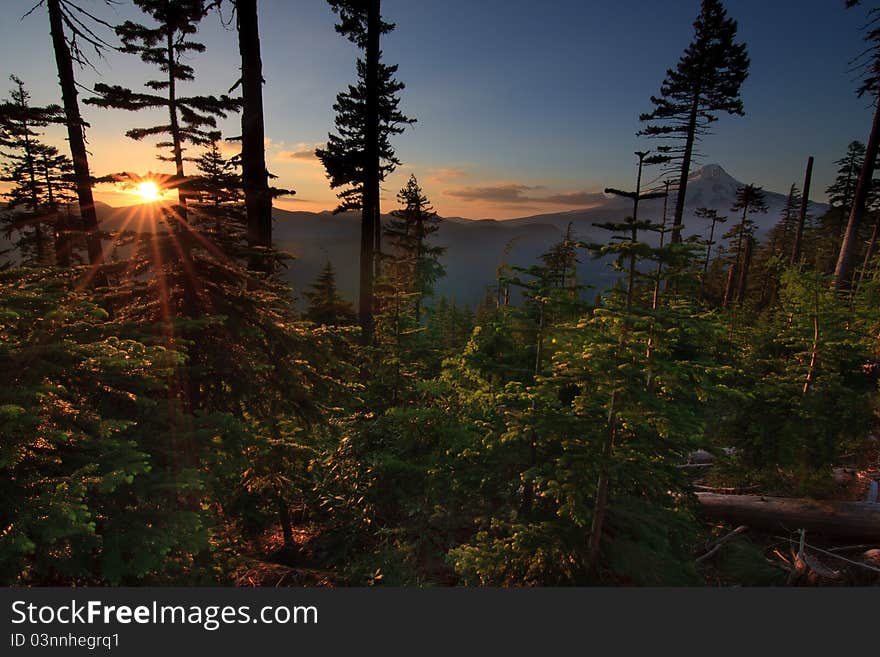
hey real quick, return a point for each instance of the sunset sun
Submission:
(148, 191)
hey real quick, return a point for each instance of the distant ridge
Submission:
(476, 247)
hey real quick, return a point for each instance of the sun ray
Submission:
(107, 249)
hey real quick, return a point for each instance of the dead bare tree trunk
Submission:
(742, 283)
(843, 271)
(802, 218)
(859, 520)
(869, 255)
(728, 288)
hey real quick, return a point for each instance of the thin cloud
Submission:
(518, 194)
(445, 174)
(299, 153)
(507, 193)
(579, 199)
(304, 155)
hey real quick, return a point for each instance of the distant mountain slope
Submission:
(475, 248)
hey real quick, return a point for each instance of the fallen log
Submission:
(839, 519)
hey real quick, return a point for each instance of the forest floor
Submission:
(740, 556)
(799, 559)
(268, 562)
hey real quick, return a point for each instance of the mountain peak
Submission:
(712, 172)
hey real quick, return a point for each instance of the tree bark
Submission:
(188, 283)
(75, 127)
(728, 288)
(743, 281)
(62, 250)
(859, 520)
(708, 256)
(843, 271)
(39, 239)
(802, 218)
(370, 201)
(869, 254)
(284, 521)
(685, 169)
(600, 507)
(255, 176)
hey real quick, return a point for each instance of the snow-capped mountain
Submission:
(708, 187)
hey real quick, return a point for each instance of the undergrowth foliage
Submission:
(173, 414)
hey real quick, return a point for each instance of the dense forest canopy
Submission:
(173, 411)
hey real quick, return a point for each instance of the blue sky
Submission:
(522, 107)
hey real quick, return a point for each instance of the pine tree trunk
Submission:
(744, 271)
(62, 250)
(177, 146)
(284, 521)
(848, 248)
(377, 231)
(869, 254)
(685, 169)
(600, 506)
(255, 177)
(370, 209)
(708, 258)
(728, 288)
(182, 227)
(39, 239)
(802, 218)
(75, 125)
(418, 273)
(734, 274)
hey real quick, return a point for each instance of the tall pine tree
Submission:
(326, 305)
(67, 49)
(705, 82)
(255, 176)
(26, 167)
(416, 261)
(168, 45)
(360, 156)
(750, 200)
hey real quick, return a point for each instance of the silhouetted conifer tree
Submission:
(782, 234)
(712, 217)
(33, 170)
(842, 191)
(413, 261)
(360, 156)
(218, 182)
(749, 199)
(168, 45)
(326, 305)
(705, 82)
